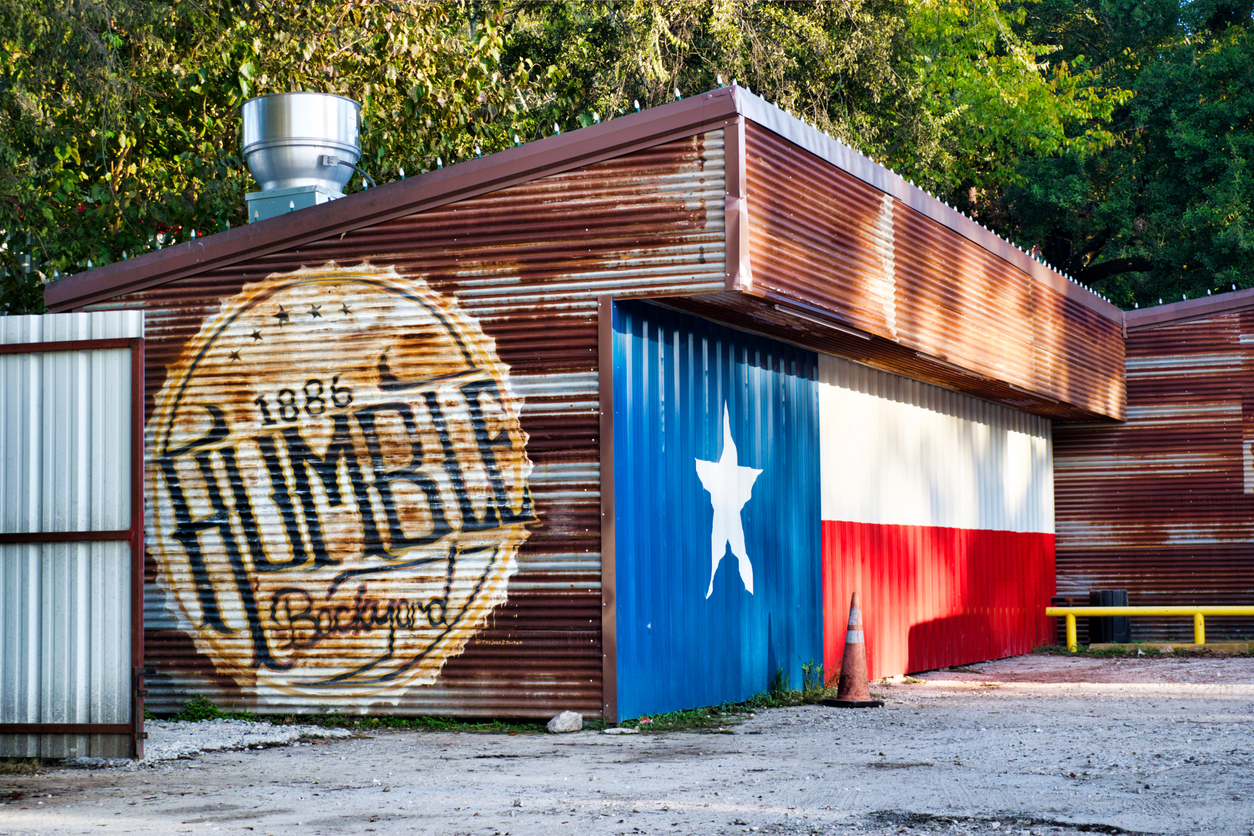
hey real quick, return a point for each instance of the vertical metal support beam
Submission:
(609, 611)
(137, 548)
(1072, 644)
(736, 208)
(1199, 628)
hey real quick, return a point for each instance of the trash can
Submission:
(1113, 629)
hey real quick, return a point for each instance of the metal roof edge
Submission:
(886, 180)
(537, 159)
(945, 375)
(1143, 318)
(469, 178)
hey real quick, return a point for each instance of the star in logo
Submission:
(730, 486)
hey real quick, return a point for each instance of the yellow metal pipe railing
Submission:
(1199, 616)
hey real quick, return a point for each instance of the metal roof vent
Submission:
(302, 148)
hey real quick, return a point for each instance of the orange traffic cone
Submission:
(852, 691)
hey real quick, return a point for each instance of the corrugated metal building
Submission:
(586, 424)
(1163, 505)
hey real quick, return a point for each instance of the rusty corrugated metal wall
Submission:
(331, 394)
(431, 378)
(1163, 505)
(825, 238)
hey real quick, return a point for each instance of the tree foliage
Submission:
(121, 119)
(949, 91)
(1165, 210)
(994, 98)
(832, 63)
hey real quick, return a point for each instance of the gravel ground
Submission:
(169, 740)
(1032, 745)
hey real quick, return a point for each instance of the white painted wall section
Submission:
(896, 451)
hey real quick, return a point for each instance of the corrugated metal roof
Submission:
(858, 255)
(796, 325)
(534, 161)
(1203, 306)
(887, 268)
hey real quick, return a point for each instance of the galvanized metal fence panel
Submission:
(69, 523)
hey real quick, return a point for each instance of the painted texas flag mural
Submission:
(757, 485)
(938, 508)
(716, 512)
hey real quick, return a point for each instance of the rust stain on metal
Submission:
(349, 523)
(824, 238)
(755, 314)
(1162, 505)
(526, 264)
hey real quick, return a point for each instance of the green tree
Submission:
(832, 62)
(993, 97)
(951, 92)
(1164, 211)
(120, 119)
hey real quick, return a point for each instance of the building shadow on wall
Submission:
(951, 640)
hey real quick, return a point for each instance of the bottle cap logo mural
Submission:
(340, 483)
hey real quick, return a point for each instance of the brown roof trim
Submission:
(886, 180)
(529, 162)
(737, 253)
(609, 537)
(435, 188)
(1188, 309)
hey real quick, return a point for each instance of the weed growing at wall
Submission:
(717, 719)
(199, 709)
(21, 766)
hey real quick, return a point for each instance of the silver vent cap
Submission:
(301, 140)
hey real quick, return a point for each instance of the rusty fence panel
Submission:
(1163, 505)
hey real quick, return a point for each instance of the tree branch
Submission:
(1100, 272)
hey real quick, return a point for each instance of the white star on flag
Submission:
(730, 487)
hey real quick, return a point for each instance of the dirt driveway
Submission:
(1035, 744)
